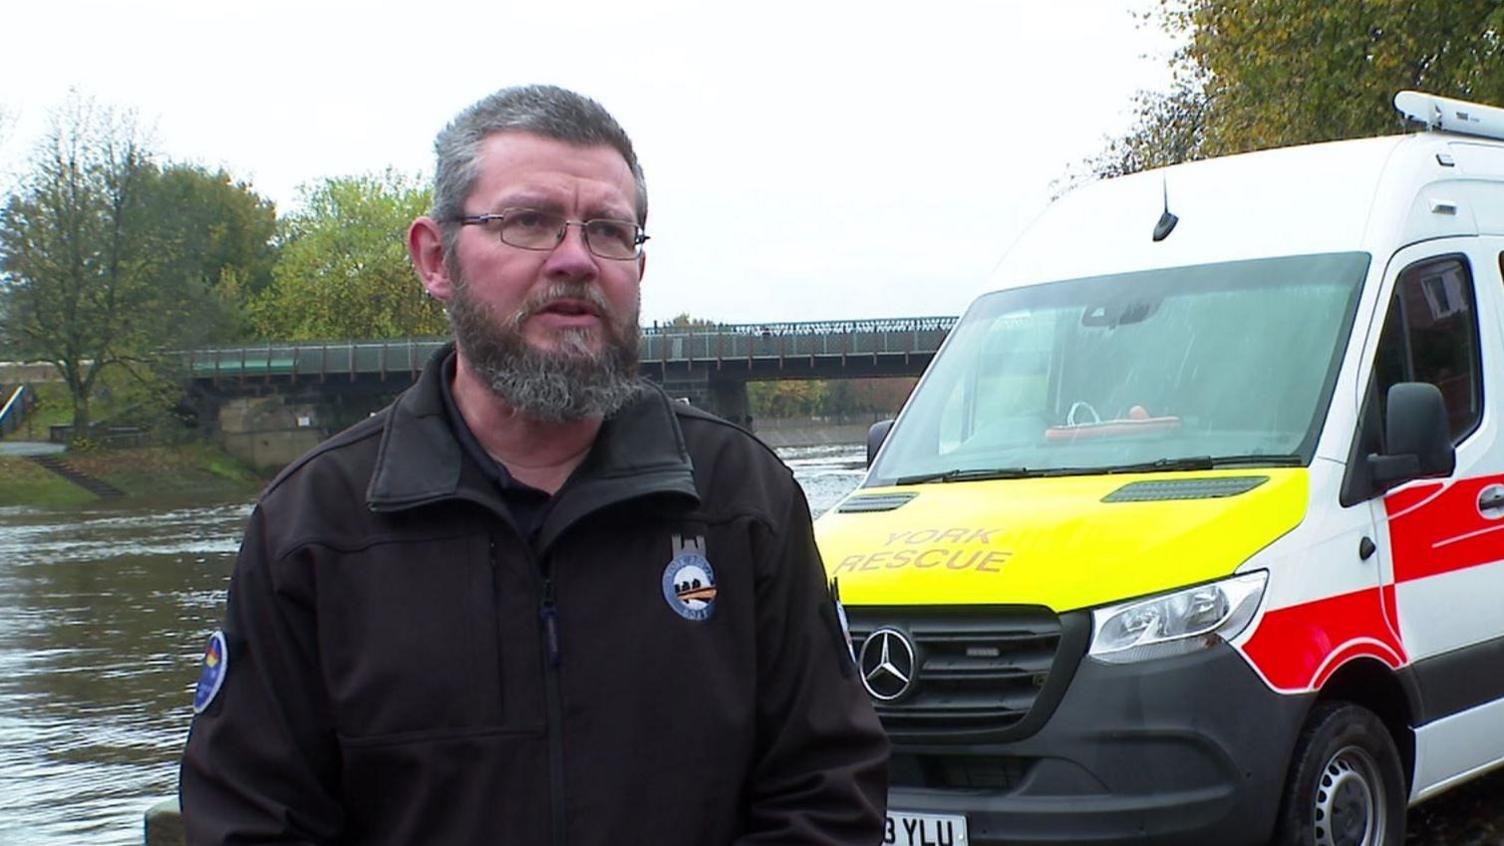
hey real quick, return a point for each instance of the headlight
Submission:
(1176, 623)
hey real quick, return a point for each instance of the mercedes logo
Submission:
(887, 662)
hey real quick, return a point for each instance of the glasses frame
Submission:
(638, 239)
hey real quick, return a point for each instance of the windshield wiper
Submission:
(1158, 465)
(1208, 462)
(971, 475)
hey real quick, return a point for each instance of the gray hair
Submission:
(545, 110)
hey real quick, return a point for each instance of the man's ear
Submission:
(425, 244)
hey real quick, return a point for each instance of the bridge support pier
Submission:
(710, 390)
(728, 398)
(268, 433)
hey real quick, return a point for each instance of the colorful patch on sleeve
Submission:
(212, 675)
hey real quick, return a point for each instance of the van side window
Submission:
(1431, 335)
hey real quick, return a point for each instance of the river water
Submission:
(104, 612)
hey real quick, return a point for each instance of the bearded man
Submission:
(534, 601)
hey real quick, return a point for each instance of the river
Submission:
(103, 616)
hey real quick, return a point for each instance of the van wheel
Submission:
(1345, 786)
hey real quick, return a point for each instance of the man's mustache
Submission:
(542, 299)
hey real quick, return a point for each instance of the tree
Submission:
(220, 240)
(79, 262)
(1170, 129)
(791, 398)
(683, 320)
(343, 271)
(1255, 74)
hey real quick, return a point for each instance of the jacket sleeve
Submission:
(821, 771)
(262, 763)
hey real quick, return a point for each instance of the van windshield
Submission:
(1228, 364)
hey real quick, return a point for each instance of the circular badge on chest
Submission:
(689, 586)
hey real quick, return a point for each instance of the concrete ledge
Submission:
(164, 824)
(784, 434)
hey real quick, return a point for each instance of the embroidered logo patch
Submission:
(689, 582)
(212, 677)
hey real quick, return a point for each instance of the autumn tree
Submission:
(1254, 74)
(683, 320)
(79, 262)
(220, 239)
(343, 271)
(786, 398)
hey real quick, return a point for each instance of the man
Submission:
(534, 601)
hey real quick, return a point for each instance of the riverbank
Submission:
(187, 473)
(202, 472)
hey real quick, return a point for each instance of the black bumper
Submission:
(1185, 750)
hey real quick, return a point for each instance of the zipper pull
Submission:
(550, 615)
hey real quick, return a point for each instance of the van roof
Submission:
(1370, 195)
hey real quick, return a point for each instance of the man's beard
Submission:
(571, 382)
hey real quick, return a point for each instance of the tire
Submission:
(1346, 787)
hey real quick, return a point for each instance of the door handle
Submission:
(1491, 501)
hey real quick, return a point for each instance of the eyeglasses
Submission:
(529, 229)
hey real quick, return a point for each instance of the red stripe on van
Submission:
(1298, 648)
(1435, 529)
(1391, 608)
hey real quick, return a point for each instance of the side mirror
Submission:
(1418, 439)
(875, 437)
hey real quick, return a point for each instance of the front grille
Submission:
(981, 672)
(958, 772)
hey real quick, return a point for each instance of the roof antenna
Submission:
(1167, 221)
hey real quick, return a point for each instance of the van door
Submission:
(1441, 541)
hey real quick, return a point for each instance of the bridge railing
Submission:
(750, 341)
(821, 339)
(317, 359)
(15, 402)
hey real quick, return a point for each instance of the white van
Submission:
(1193, 532)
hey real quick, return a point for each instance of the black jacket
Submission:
(405, 668)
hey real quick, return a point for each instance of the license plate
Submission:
(906, 828)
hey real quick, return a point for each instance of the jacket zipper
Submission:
(548, 614)
(548, 617)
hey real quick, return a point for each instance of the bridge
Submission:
(327, 385)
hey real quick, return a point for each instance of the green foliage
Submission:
(682, 320)
(108, 258)
(786, 398)
(81, 263)
(1170, 130)
(835, 398)
(344, 271)
(1255, 74)
(220, 239)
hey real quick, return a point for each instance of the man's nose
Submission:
(571, 257)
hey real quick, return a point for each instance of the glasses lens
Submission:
(531, 230)
(611, 238)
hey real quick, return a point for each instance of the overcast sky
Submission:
(805, 160)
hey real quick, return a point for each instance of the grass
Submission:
(193, 472)
(116, 395)
(24, 483)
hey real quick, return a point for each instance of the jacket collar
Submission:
(639, 451)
